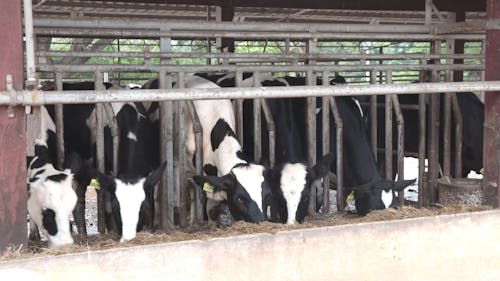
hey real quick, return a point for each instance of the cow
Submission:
(228, 178)
(51, 197)
(371, 191)
(291, 185)
(239, 183)
(128, 200)
(136, 155)
(472, 110)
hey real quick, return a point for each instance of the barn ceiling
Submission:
(315, 11)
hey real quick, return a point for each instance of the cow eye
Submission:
(240, 199)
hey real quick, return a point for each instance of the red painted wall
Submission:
(492, 99)
(13, 193)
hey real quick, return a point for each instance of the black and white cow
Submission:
(360, 170)
(128, 201)
(234, 180)
(51, 197)
(136, 155)
(291, 185)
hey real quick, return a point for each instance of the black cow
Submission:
(472, 110)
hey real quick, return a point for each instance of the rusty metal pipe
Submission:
(339, 125)
(457, 115)
(401, 144)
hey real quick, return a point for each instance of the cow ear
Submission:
(154, 177)
(106, 182)
(401, 184)
(215, 187)
(323, 166)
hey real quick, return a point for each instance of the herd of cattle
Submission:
(252, 191)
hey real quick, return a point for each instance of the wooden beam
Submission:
(13, 192)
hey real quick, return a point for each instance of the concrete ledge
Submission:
(451, 247)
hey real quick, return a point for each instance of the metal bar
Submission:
(29, 43)
(339, 135)
(99, 141)
(183, 193)
(252, 68)
(239, 110)
(257, 121)
(196, 205)
(325, 130)
(401, 144)
(457, 114)
(271, 130)
(166, 149)
(422, 133)
(311, 136)
(59, 124)
(252, 35)
(433, 155)
(266, 56)
(388, 130)
(227, 26)
(33, 98)
(373, 117)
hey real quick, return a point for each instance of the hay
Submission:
(205, 232)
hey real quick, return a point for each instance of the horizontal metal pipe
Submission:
(254, 68)
(27, 98)
(143, 33)
(227, 26)
(315, 56)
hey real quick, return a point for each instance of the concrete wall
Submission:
(454, 247)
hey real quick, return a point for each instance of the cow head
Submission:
(378, 195)
(244, 189)
(129, 201)
(51, 197)
(291, 187)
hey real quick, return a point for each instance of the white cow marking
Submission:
(293, 182)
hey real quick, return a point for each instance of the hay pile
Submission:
(93, 243)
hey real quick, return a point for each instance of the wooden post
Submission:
(492, 101)
(13, 192)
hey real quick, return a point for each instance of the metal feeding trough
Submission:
(464, 191)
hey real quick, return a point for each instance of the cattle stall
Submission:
(369, 66)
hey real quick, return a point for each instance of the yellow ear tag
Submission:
(95, 184)
(481, 171)
(208, 187)
(350, 198)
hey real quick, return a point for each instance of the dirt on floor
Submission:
(204, 232)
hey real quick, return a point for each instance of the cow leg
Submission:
(79, 211)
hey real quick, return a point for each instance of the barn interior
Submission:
(379, 47)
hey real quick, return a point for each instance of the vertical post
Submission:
(450, 44)
(422, 133)
(325, 116)
(181, 156)
(257, 129)
(165, 194)
(434, 132)
(388, 129)
(492, 102)
(401, 144)
(239, 109)
(99, 141)
(311, 135)
(227, 14)
(13, 193)
(373, 117)
(59, 124)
